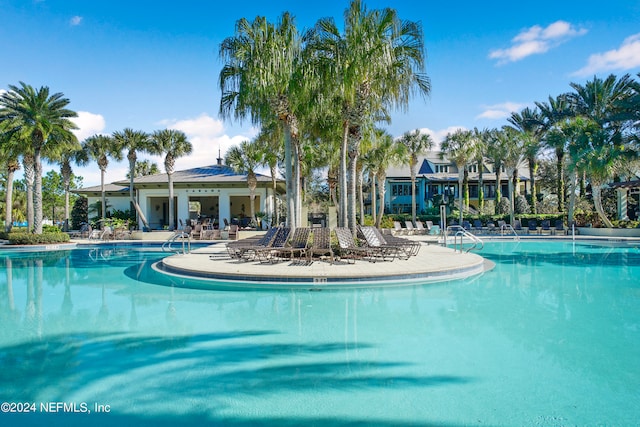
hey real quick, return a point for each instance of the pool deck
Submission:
(433, 263)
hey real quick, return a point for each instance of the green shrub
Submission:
(21, 238)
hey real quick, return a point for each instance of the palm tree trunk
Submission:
(351, 194)
(372, 177)
(360, 194)
(66, 180)
(460, 198)
(342, 176)
(8, 207)
(291, 207)
(37, 192)
(572, 198)
(413, 194)
(596, 188)
(511, 175)
(560, 180)
(480, 188)
(29, 177)
(498, 189)
(297, 167)
(172, 219)
(104, 197)
(381, 190)
(132, 193)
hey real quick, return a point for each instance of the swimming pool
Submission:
(551, 336)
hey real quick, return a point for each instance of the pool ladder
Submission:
(179, 236)
(459, 234)
(508, 229)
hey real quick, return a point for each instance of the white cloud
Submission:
(88, 124)
(208, 137)
(500, 111)
(536, 40)
(627, 56)
(75, 21)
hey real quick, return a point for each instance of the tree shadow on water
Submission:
(191, 380)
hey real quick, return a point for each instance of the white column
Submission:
(224, 210)
(622, 203)
(183, 207)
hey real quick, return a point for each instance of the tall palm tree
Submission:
(459, 147)
(173, 143)
(36, 115)
(529, 123)
(133, 141)
(555, 115)
(264, 78)
(603, 103)
(511, 145)
(416, 144)
(385, 152)
(70, 155)
(99, 148)
(378, 63)
(482, 139)
(246, 158)
(269, 143)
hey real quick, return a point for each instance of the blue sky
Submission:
(153, 64)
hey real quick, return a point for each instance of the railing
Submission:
(459, 234)
(181, 236)
(508, 229)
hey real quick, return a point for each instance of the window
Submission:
(442, 168)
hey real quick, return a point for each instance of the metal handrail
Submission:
(460, 232)
(184, 237)
(509, 227)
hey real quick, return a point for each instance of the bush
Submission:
(522, 205)
(22, 238)
(504, 207)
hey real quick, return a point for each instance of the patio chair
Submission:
(407, 247)
(349, 250)
(380, 248)
(409, 226)
(532, 226)
(321, 244)
(559, 226)
(268, 253)
(517, 225)
(397, 228)
(545, 226)
(420, 228)
(196, 231)
(466, 225)
(297, 245)
(477, 226)
(243, 249)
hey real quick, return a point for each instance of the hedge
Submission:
(22, 238)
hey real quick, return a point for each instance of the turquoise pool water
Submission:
(550, 337)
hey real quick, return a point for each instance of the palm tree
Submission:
(416, 144)
(385, 152)
(529, 123)
(556, 113)
(133, 141)
(377, 63)
(482, 139)
(66, 158)
(37, 116)
(145, 168)
(173, 143)
(269, 144)
(603, 104)
(264, 78)
(512, 146)
(459, 147)
(99, 148)
(246, 158)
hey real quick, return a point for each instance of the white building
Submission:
(213, 192)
